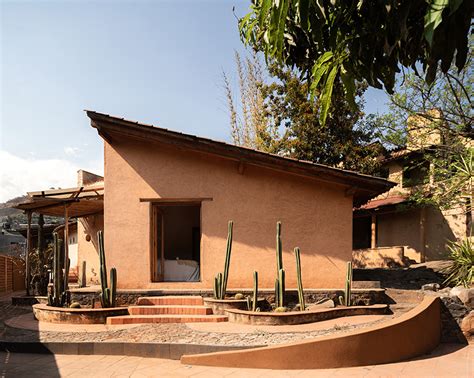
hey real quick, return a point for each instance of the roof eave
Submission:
(363, 186)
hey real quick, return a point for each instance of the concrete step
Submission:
(169, 310)
(177, 300)
(141, 319)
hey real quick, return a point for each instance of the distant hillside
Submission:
(15, 217)
(5, 207)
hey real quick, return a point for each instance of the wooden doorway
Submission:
(176, 240)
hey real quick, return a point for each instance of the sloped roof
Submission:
(363, 187)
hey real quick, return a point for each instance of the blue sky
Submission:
(159, 62)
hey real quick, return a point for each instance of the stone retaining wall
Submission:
(362, 297)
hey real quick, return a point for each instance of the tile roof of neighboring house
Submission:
(362, 187)
(374, 204)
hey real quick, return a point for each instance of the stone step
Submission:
(141, 319)
(169, 310)
(177, 300)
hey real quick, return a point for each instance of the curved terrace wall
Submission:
(413, 334)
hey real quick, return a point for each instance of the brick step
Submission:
(177, 300)
(169, 310)
(141, 319)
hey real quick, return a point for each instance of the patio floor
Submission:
(446, 361)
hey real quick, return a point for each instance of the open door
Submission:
(175, 241)
(158, 257)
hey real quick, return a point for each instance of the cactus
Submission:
(220, 281)
(83, 280)
(58, 296)
(348, 285)
(280, 280)
(279, 257)
(109, 294)
(280, 289)
(249, 304)
(218, 286)
(255, 291)
(299, 280)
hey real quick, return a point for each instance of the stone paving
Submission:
(446, 361)
(224, 334)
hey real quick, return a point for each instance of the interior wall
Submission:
(178, 230)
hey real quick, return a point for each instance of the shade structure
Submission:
(80, 201)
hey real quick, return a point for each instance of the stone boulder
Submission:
(430, 287)
(326, 304)
(467, 325)
(465, 295)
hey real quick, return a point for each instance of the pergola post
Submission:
(66, 247)
(373, 232)
(28, 251)
(40, 246)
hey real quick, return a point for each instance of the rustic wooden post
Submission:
(28, 251)
(40, 247)
(373, 232)
(66, 247)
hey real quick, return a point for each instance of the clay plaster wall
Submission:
(88, 250)
(316, 216)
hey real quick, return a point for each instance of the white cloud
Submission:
(71, 151)
(19, 175)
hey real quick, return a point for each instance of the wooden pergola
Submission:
(67, 203)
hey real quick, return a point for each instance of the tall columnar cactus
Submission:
(109, 294)
(280, 289)
(299, 280)
(58, 296)
(83, 281)
(255, 291)
(279, 255)
(220, 281)
(348, 286)
(280, 280)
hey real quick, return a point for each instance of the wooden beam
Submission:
(29, 247)
(66, 247)
(177, 201)
(373, 232)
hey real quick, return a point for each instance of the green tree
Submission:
(287, 119)
(359, 40)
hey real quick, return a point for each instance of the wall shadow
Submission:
(22, 352)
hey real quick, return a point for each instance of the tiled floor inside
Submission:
(446, 361)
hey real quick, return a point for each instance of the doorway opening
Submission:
(176, 242)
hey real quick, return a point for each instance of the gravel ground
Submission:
(160, 333)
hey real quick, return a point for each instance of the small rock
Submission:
(467, 325)
(467, 297)
(430, 287)
(326, 304)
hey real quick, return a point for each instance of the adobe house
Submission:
(168, 198)
(391, 229)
